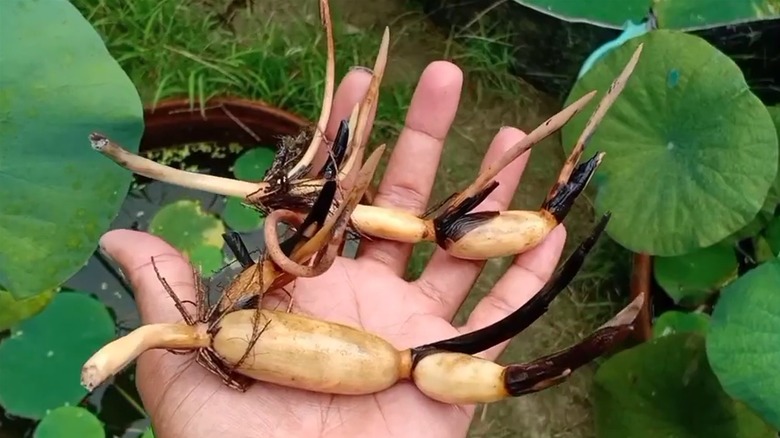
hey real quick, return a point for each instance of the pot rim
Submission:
(175, 121)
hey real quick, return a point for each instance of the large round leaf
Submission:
(40, 364)
(691, 152)
(672, 14)
(606, 12)
(70, 422)
(697, 14)
(196, 233)
(743, 343)
(58, 83)
(665, 388)
(690, 277)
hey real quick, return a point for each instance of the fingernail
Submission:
(361, 68)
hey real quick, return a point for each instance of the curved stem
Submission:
(115, 356)
(327, 98)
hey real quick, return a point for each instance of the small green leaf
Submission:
(40, 363)
(674, 321)
(743, 343)
(240, 217)
(665, 388)
(253, 163)
(58, 84)
(70, 422)
(13, 311)
(148, 433)
(688, 278)
(675, 176)
(196, 233)
(763, 251)
(207, 259)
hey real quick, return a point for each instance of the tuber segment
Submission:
(305, 353)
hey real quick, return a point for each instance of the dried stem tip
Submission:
(98, 141)
(115, 356)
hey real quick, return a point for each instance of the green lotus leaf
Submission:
(252, 164)
(240, 217)
(70, 421)
(665, 388)
(691, 151)
(671, 14)
(692, 276)
(765, 217)
(608, 12)
(674, 321)
(772, 235)
(196, 233)
(207, 259)
(58, 83)
(698, 14)
(40, 363)
(743, 343)
(13, 311)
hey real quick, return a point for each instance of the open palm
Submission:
(185, 400)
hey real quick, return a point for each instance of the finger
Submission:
(412, 167)
(447, 280)
(133, 252)
(524, 278)
(350, 91)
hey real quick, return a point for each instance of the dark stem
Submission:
(641, 274)
(238, 248)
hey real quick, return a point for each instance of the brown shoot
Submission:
(327, 98)
(115, 356)
(367, 106)
(598, 115)
(543, 131)
(364, 177)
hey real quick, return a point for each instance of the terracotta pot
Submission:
(175, 122)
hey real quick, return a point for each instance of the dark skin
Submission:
(185, 400)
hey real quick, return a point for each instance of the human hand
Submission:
(185, 400)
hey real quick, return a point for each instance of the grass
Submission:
(174, 48)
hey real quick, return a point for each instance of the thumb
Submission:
(133, 252)
(164, 381)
